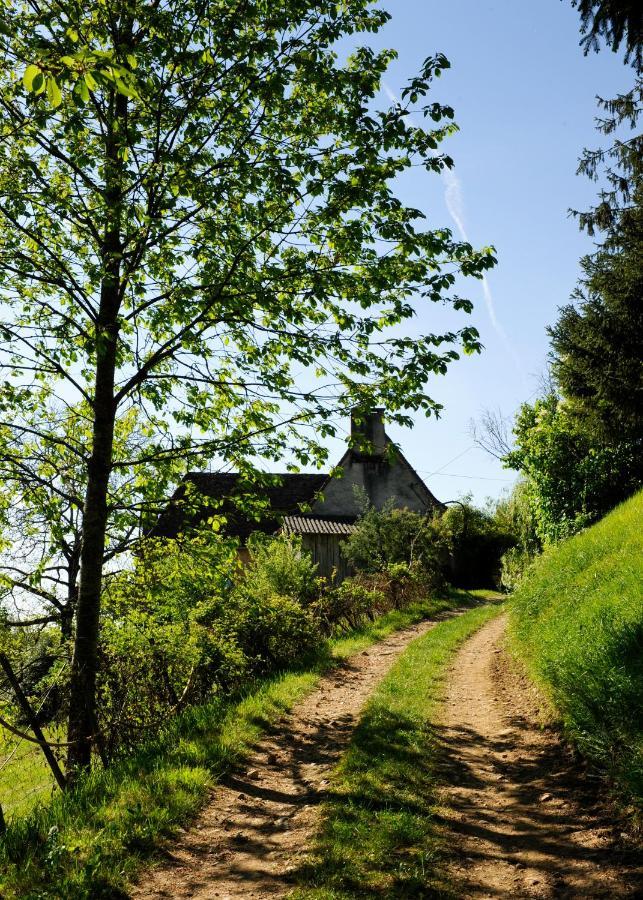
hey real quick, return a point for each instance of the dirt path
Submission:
(249, 837)
(526, 823)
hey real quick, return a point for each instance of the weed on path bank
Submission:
(89, 843)
(379, 834)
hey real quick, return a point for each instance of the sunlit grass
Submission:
(577, 621)
(25, 777)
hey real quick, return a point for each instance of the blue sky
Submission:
(524, 98)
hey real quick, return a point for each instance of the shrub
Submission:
(403, 547)
(165, 640)
(279, 565)
(478, 542)
(514, 565)
(273, 632)
(188, 621)
(348, 605)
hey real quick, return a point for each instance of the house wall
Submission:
(381, 479)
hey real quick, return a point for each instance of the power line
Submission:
(473, 477)
(455, 458)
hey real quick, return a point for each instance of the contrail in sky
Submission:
(455, 205)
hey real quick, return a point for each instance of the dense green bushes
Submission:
(478, 540)
(404, 554)
(189, 621)
(578, 621)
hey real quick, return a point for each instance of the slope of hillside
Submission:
(577, 621)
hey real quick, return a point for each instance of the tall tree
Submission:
(596, 342)
(198, 218)
(571, 479)
(617, 22)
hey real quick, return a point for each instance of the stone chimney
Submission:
(369, 428)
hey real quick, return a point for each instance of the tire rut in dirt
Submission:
(522, 813)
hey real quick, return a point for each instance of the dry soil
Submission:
(524, 816)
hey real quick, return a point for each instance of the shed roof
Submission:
(316, 525)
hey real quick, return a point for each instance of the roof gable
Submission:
(288, 496)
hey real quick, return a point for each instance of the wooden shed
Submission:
(322, 538)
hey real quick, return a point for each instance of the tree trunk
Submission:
(69, 611)
(82, 725)
(82, 700)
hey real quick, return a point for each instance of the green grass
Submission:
(380, 835)
(88, 843)
(25, 777)
(577, 621)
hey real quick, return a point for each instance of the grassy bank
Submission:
(88, 843)
(379, 835)
(577, 621)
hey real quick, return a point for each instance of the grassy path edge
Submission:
(89, 843)
(380, 833)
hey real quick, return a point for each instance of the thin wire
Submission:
(442, 468)
(473, 477)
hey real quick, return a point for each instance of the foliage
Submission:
(514, 565)
(42, 524)
(596, 343)
(616, 22)
(380, 834)
(198, 220)
(397, 537)
(349, 605)
(578, 622)
(579, 446)
(403, 553)
(99, 831)
(572, 480)
(280, 566)
(478, 539)
(187, 623)
(513, 515)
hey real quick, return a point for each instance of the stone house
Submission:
(320, 508)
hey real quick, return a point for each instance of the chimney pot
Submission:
(369, 428)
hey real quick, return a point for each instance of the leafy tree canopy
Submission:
(198, 220)
(571, 479)
(596, 343)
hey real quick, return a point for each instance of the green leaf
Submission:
(31, 72)
(122, 88)
(54, 94)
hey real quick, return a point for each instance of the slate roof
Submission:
(285, 498)
(316, 525)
